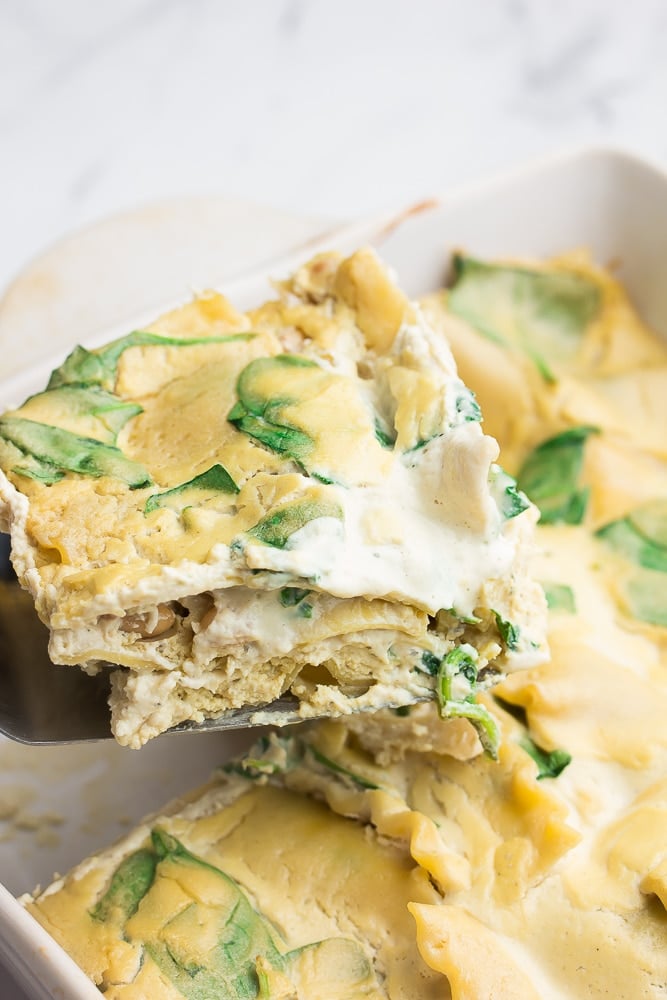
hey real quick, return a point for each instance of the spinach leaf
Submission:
(278, 437)
(517, 712)
(338, 966)
(276, 753)
(337, 768)
(277, 527)
(641, 538)
(646, 597)
(241, 934)
(99, 366)
(560, 597)
(509, 500)
(466, 619)
(549, 763)
(458, 662)
(213, 480)
(110, 411)
(291, 596)
(129, 884)
(431, 662)
(459, 667)
(509, 632)
(387, 439)
(480, 717)
(467, 407)
(50, 452)
(261, 416)
(550, 477)
(281, 754)
(252, 395)
(544, 314)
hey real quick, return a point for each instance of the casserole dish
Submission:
(609, 202)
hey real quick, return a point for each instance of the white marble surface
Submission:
(326, 107)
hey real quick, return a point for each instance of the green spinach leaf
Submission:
(544, 314)
(213, 480)
(550, 477)
(50, 452)
(560, 597)
(277, 527)
(549, 763)
(99, 366)
(509, 500)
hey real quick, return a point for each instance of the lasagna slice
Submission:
(228, 507)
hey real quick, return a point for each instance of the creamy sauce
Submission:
(424, 559)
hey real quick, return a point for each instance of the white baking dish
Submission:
(607, 201)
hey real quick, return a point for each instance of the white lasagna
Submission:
(228, 507)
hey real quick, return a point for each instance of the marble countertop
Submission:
(325, 108)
